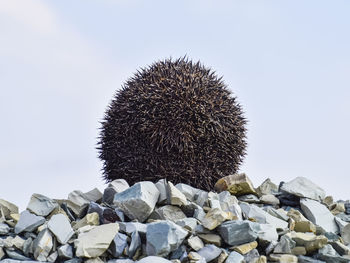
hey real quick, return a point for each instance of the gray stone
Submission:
(319, 214)
(279, 213)
(168, 212)
(94, 195)
(135, 244)
(120, 261)
(15, 255)
(187, 190)
(344, 217)
(52, 257)
(65, 251)
(266, 233)
(328, 254)
(96, 241)
(4, 229)
(235, 257)
(238, 232)
(2, 253)
(118, 245)
(188, 223)
(199, 213)
(153, 259)
(266, 188)
(59, 225)
(201, 198)
(138, 201)
(249, 198)
(9, 260)
(195, 243)
(78, 202)
(209, 252)
(74, 260)
(303, 187)
(42, 245)
(28, 222)
(304, 259)
(130, 227)
(164, 237)
(269, 199)
(108, 195)
(119, 185)
(175, 197)
(345, 234)
(41, 205)
(261, 216)
(7, 208)
(251, 255)
(229, 203)
(162, 187)
(285, 245)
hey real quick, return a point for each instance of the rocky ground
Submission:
(162, 222)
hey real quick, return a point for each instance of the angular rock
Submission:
(42, 245)
(238, 232)
(261, 216)
(301, 223)
(28, 222)
(138, 201)
(285, 245)
(283, 258)
(310, 241)
(118, 245)
(52, 257)
(95, 242)
(236, 184)
(4, 229)
(215, 217)
(251, 199)
(175, 197)
(13, 254)
(234, 257)
(266, 233)
(168, 212)
(211, 239)
(18, 242)
(78, 202)
(135, 244)
(209, 252)
(279, 213)
(164, 237)
(195, 243)
(94, 195)
(188, 223)
(59, 225)
(7, 208)
(303, 187)
(304, 259)
(267, 188)
(188, 191)
(91, 219)
(269, 199)
(328, 254)
(318, 214)
(246, 248)
(41, 205)
(229, 203)
(345, 234)
(65, 251)
(162, 187)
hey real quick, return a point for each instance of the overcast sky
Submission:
(288, 63)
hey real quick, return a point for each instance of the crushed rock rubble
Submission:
(167, 223)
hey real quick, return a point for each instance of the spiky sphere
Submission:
(174, 119)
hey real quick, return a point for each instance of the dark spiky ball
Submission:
(176, 120)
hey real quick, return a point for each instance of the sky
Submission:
(61, 62)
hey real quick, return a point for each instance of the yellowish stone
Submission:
(236, 184)
(245, 248)
(283, 258)
(299, 251)
(211, 239)
(215, 217)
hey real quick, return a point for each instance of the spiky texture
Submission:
(174, 119)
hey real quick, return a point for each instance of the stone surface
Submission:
(65, 251)
(95, 242)
(283, 258)
(318, 214)
(269, 199)
(215, 217)
(175, 197)
(153, 259)
(168, 212)
(163, 237)
(28, 222)
(238, 232)
(345, 234)
(285, 245)
(4, 229)
(301, 223)
(236, 184)
(195, 243)
(209, 252)
(138, 201)
(211, 239)
(78, 202)
(303, 187)
(267, 188)
(261, 216)
(7, 208)
(118, 245)
(246, 248)
(41, 205)
(134, 244)
(234, 257)
(42, 245)
(59, 225)
(162, 187)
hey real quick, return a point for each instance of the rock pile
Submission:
(164, 223)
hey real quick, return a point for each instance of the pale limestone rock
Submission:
(41, 205)
(245, 248)
(42, 245)
(175, 196)
(303, 187)
(91, 219)
(195, 243)
(211, 239)
(215, 217)
(95, 242)
(283, 258)
(236, 184)
(59, 225)
(267, 188)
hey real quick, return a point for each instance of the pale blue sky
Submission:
(288, 63)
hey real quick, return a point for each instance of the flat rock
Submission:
(168, 212)
(269, 199)
(209, 252)
(229, 203)
(41, 205)
(303, 187)
(195, 243)
(65, 251)
(7, 208)
(267, 188)
(345, 234)
(94, 195)
(261, 216)
(246, 248)
(138, 201)
(162, 187)
(188, 223)
(211, 239)
(236, 184)
(78, 202)
(28, 222)
(285, 245)
(118, 245)
(238, 232)
(215, 217)
(175, 197)
(95, 242)
(4, 229)
(187, 190)
(283, 258)
(164, 237)
(319, 214)
(59, 225)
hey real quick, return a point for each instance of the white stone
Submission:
(175, 196)
(61, 228)
(138, 201)
(319, 214)
(42, 245)
(119, 185)
(153, 259)
(303, 187)
(95, 242)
